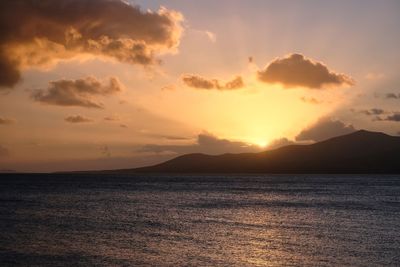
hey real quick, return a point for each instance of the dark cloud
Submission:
(277, 143)
(123, 126)
(206, 143)
(80, 92)
(393, 95)
(9, 72)
(394, 117)
(77, 119)
(324, 129)
(310, 100)
(199, 82)
(297, 71)
(39, 33)
(236, 83)
(4, 152)
(6, 121)
(379, 114)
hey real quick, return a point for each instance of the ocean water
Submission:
(199, 220)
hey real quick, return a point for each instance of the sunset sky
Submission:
(98, 84)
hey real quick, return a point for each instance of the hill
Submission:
(358, 152)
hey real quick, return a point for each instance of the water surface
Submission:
(215, 220)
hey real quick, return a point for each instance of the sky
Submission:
(102, 84)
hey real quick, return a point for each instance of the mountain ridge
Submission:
(358, 152)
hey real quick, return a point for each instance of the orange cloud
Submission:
(39, 33)
(199, 82)
(296, 70)
(80, 92)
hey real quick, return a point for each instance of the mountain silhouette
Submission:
(358, 152)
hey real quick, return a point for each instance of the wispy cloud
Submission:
(77, 119)
(111, 118)
(199, 82)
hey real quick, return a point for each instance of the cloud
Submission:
(297, 71)
(371, 112)
(167, 137)
(6, 121)
(4, 152)
(324, 129)
(111, 118)
(169, 87)
(115, 119)
(80, 92)
(310, 100)
(77, 119)
(199, 82)
(393, 96)
(40, 33)
(395, 117)
(374, 111)
(277, 143)
(206, 143)
(379, 114)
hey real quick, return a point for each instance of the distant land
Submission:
(358, 152)
(8, 171)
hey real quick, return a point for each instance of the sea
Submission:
(199, 220)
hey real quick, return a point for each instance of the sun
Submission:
(261, 143)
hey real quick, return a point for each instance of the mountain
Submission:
(358, 152)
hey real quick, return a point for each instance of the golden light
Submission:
(261, 143)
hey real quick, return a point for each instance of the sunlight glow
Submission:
(262, 143)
